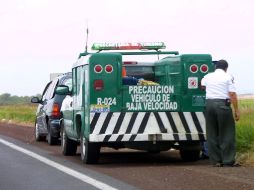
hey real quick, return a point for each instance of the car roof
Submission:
(63, 77)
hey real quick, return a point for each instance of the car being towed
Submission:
(47, 122)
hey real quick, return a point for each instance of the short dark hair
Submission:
(222, 64)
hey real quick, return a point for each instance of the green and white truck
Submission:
(118, 101)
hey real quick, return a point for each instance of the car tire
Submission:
(90, 152)
(38, 136)
(51, 140)
(68, 146)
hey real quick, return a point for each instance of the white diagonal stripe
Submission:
(125, 123)
(112, 123)
(137, 122)
(99, 123)
(191, 125)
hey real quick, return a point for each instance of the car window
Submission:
(45, 91)
(51, 89)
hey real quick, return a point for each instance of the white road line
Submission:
(69, 171)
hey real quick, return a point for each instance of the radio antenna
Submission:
(86, 36)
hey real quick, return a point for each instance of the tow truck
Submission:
(122, 98)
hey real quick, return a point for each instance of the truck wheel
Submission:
(69, 147)
(90, 152)
(190, 155)
(38, 136)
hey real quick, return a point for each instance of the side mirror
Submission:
(62, 90)
(35, 100)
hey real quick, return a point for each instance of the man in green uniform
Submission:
(220, 124)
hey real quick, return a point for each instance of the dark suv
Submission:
(47, 122)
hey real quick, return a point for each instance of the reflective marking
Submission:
(112, 123)
(191, 124)
(165, 121)
(137, 123)
(99, 123)
(154, 127)
(201, 118)
(69, 171)
(125, 123)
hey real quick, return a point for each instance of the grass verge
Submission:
(20, 113)
(245, 132)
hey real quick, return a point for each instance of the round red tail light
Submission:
(204, 68)
(98, 68)
(108, 68)
(194, 68)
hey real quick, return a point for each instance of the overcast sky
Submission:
(39, 37)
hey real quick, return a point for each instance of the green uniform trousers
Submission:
(220, 131)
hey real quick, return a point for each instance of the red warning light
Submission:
(98, 68)
(109, 68)
(194, 68)
(204, 68)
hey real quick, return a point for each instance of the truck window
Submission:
(145, 72)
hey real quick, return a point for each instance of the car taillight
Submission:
(204, 68)
(98, 84)
(98, 68)
(109, 68)
(194, 68)
(56, 110)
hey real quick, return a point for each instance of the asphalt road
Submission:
(139, 169)
(24, 169)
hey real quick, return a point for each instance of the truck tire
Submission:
(90, 152)
(68, 146)
(189, 155)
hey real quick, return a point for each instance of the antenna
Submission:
(86, 36)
